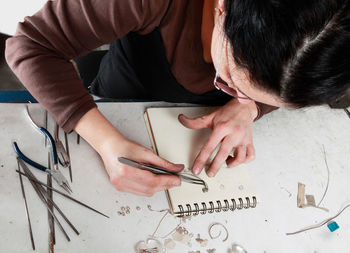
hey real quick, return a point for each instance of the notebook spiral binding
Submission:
(227, 205)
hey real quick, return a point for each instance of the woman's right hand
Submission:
(110, 144)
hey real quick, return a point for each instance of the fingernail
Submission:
(196, 171)
(211, 174)
(177, 183)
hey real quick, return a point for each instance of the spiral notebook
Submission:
(230, 189)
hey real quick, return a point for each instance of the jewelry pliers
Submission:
(55, 172)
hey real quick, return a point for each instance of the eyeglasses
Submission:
(221, 84)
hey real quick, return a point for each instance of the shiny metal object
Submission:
(186, 177)
(62, 154)
(236, 248)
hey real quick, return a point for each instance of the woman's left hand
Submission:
(232, 129)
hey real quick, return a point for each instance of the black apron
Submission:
(136, 67)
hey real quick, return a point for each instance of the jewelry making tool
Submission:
(26, 207)
(55, 172)
(51, 221)
(43, 195)
(62, 193)
(188, 178)
(62, 154)
(70, 165)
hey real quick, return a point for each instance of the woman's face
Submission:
(235, 76)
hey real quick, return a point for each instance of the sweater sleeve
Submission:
(41, 50)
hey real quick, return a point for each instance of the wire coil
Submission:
(216, 206)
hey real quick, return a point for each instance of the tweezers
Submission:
(186, 177)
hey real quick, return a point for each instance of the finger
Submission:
(196, 123)
(163, 182)
(240, 156)
(221, 156)
(152, 159)
(166, 182)
(206, 151)
(143, 182)
(250, 153)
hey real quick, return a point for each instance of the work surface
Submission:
(289, 149)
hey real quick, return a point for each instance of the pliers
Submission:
(55, 172)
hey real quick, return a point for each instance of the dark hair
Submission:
(296, 49)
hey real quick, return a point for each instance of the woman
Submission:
(279, 53)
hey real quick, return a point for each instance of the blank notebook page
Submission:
(179, 144)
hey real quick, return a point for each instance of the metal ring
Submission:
(211, 210)
(240, 203)
(219, 206)
(234, 206)
(248, 203)
(227, 206)
(254, 202)
(189, 210)
(197, 209)
(204, 210)
(181, 211)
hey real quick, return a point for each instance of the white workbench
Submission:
(288, 145)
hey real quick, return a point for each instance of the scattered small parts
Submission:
(202, 242)
(211, 250)
(169, 243)
(151, 245)
(152, 210)
(236, 248)
(124, 210)
(301, 195)
(328, 221)
(181, 235)
(310, 199)
(332, 225)
(138, 208)
(217, 236)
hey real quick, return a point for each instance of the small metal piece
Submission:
(62, 193)
(26, 208)
(347, 112)
(46, 116)
(70, 164)
(61, 180)
(62, 154)
(214, 237)
(51, 221)
(237, 249)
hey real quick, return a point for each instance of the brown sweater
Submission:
(41, 50)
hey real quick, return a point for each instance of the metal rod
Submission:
(347, 112)
(26, 208)
(52, 239)
(70, 161)
(41, 195)
(78, 138)
(46, 126)
(63, 194)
